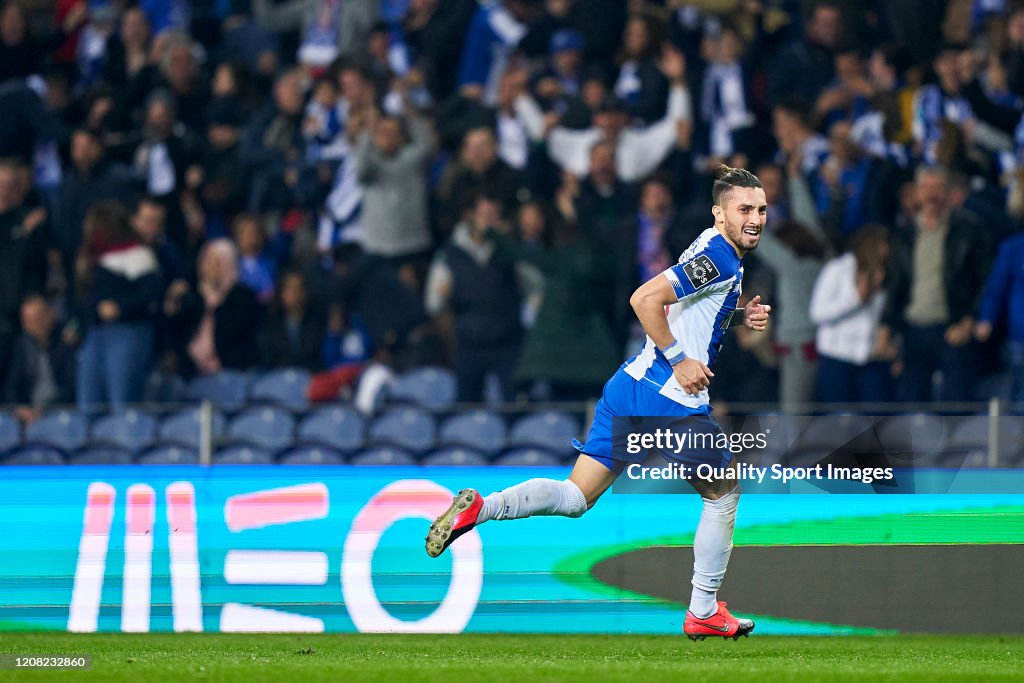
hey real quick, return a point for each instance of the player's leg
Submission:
(591, 476)
(712, 543)
(551, 497)
(533, 498)
(712, 547)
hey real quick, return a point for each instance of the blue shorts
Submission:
(624, 396)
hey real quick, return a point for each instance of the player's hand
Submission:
(982, 330)
(756, 314)
(692, 375)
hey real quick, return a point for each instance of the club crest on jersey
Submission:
(700, 271)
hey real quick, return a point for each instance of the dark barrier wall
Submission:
(163, 548)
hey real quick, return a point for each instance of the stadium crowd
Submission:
(188, 186)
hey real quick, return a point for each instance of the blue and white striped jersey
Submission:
(707, 281)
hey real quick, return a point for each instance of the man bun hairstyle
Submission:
(729, 178)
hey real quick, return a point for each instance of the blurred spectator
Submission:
(324, 123)
(182, 75)
(561, 80)
(479, 287)
(847, 302)
(372, 297)
(939, 269)
(805, 66)
(26, 120)
(604, 208)
(795, 253)
(849, 95)
(640, 86)
(479, 169)
(493, 35)
(259, 258)
(89, 178)
(273, 148)
(118, 285)
(391, 167)
(219, 181)
(844, 184)
(569, 348)
(128, 50)
(22, 52)
(329, 27)
(638, 150)
(433, 31)
(659, 236)
(23, 243)
(42, 367)
(1005, 284)
(163, 156)
(214, 326)
(938, 102)
(149, 222)
(23, 262)
(726, 102)
(797, 137)
(256, 270)
(293, 336)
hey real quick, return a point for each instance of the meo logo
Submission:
(409, 498)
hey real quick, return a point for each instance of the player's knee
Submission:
(724, 500)
(576, 503)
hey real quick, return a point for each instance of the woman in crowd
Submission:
(118, 285)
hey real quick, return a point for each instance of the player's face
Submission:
(741, 216)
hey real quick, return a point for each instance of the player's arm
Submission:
(649, 302)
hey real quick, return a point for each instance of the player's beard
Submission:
(742, 239)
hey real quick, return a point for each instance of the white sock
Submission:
(533, 498)
(712, 546)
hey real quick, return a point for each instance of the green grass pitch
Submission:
(505, 658)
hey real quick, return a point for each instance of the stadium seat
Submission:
(550, 429)
(409, 428)
(384, 456)
(183, 427)
(967, 445)
(35, 454)
(917, 437)
(242, 455)
(826, 433)
(285, 387)
(169, 455)
(266, 426)
(431, 387)
(479, 429)
(131, 429)
(780, 433)
(227, 390)
(339, 427)
(455, 457)
(311, 455)
(163, 387)
(101, 455)
(529, 457)
(64, 429)
(10, 432)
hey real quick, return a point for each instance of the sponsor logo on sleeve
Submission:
(701, 271)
